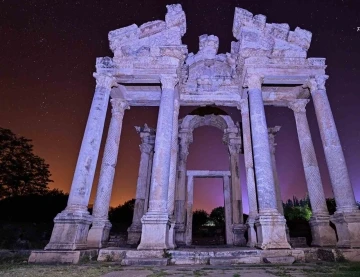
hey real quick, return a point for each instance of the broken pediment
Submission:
(133, 40)
(258, 38)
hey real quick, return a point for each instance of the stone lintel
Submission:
(208, 173)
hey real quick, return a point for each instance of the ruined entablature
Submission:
(155, 44)
(258, 38)
(206, 71)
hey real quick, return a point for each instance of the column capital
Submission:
(254, 81)
(169, 81)
(317, 82)
(299, 105)
(185, 136)
(243, 106)
(103, 80)
(146, 148)
(119, 106)
(147, 134)
(272, 132)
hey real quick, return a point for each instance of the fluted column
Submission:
(269, 221)
(172, 174)
(185, 138)
(272, 133)
(100, 229)
(155, 223)
(232, 139)
(322, 233)
(347, 215)
(249, 170)
(147, 136)
(71, 225)
(227, 208)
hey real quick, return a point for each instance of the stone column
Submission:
(148, 181)
(155, 223)
(185, 138)
(270, 224)
(172, 174)
(71, 226)
(250, 176)
(272, 133)
(227, 209)
(347, 215)
(322, 233)
(189, 209)
(233, 140)
(100, 229)
(147, 136)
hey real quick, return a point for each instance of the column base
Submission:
(322, 233)
(134, 234)
(271, 231)
(99, 233)
(238, 232)
(171, 240)
(71, 228)
(252, 239)
(348, 228)
(155, 231)
(179, 233)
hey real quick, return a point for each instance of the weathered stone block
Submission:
(280, 260)
(145, 261)
(66, 257)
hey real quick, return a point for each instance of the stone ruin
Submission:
(267, 65)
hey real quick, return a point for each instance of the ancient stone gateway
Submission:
(268, 65)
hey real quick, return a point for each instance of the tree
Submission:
(123, 213)
(200, 217)
(218, 216)
(21, 171)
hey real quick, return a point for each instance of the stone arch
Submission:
(222, 122)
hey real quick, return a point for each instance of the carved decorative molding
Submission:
(317, 82)
(254, 81)
(299, 105)
(119, 106)
(168, 82)
(103, 80)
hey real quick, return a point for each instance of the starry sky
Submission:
(47, 57)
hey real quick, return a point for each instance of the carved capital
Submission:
(169, 81)
(103, 80)
(234, 148)
(118, 106)
(299, 105)
(243, 106)
(146, 148)
(147, 134)
(272, 133)
(254, 81)
(317, 82)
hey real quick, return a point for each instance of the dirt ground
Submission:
(110, 269)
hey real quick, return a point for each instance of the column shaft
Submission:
(71, 225)
(155, 223)
(269, 221)
(147, 146)
(99, 232)
(189, 210)
(347, 215)
(249, 170)
(322, 233)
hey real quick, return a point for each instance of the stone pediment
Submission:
(207, 71)
(258, 38)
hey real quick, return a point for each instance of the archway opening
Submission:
(208, 223)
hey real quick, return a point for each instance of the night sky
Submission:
(47, 57)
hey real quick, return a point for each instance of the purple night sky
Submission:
(48, 56)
